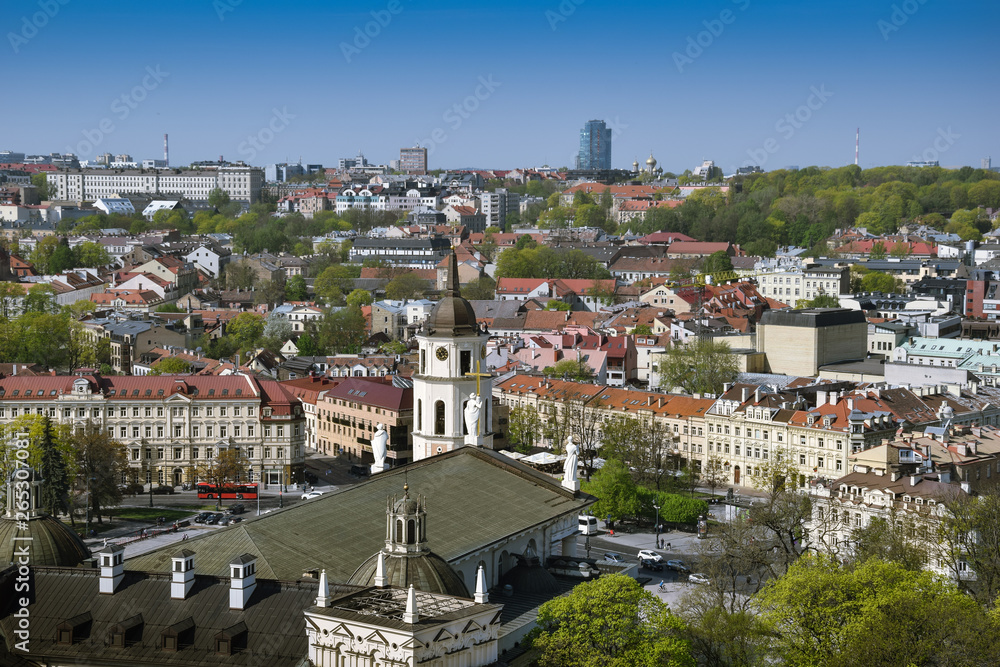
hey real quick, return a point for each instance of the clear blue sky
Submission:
(919, 77)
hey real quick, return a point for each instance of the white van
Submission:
(588, 525)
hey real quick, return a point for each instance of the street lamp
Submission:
(656, 520)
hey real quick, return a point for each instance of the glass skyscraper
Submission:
(595, 146)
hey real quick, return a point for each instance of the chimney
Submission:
(756, 394)
(726, 386)
(242, 580)
(323, 597)
(481, 595)
(820, 398)
(660, 401)
(850, 403)
(834, 395)
(915, 479)
(181, 574)
(944, 477)
(411, 615)
(744, 394)
(649, 400)
(112, 558)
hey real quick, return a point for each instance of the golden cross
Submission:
(479, 375)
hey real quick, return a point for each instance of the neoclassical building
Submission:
(171, 425)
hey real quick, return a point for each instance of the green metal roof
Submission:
(475, 497)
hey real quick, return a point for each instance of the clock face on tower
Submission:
(442, 353)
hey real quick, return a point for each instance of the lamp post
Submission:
(150, 487)
(656, 520)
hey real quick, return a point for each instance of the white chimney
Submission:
(323, 597)
(745, 394)
(411, 615)
(112, 559)
(242, 580)
(181, 574)
(834, 395)
(756, 394)
(820, 398)
(380, 570)
(481, 595)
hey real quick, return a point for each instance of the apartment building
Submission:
(347, 416)
(172, 426)
(807, 283)
(242, 183)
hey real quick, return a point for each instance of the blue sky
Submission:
(775, 83)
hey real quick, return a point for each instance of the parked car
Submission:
(235, 519)
(653, 565)
(698, 578)
(614, 558)
(163, 490)
(311, 495)
(132, 489)
(213, 519)
(225, 521)
(649, 554)
(202, 517)
(360, 471)
(238, 508)
(678, 565)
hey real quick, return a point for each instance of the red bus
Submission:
(229, 491)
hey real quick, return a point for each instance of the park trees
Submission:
(229, 466)
(100, 462)
(571, 369)
(610, 622)
(524, 426)
(702, 366)
(295, 289)
(171, 366)
(969, 536)
(406, 286)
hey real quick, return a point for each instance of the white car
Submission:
(697, 578)
(649, 554)
(312, 494)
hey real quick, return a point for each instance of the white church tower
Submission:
(452, 348)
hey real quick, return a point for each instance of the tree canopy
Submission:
(700, 366)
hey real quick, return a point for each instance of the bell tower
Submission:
(452, 348)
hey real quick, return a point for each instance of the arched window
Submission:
(399, 530)
(439, 418)
(411, 537)
(420, 414)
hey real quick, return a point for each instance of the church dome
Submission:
(453, 315)
(51, 542)
(427, 572)
(651, 161)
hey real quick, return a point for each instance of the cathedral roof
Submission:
(453, 315)
(51, 542)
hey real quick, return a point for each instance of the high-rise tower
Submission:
(595, 146)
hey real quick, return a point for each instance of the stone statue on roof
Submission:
(379, 447)
(570, 480)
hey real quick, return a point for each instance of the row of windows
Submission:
(123, 411)
(178, 453)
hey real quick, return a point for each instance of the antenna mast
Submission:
(857, 144)
(166, 151)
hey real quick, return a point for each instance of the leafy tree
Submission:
(53, 469)
(822, 301)
(306, 345)
(611, 622)
(879, 613)
(615, 490)
(559, 305)
(277, 329)
(393, 347)
(10, 296)
(878, 251)
(218, 198)
(171, 366)
(642, 330)
(270, 292)
(295, 289)
(969, 535)
(359, 297)
(63, 258)
(876, 281)
(895, 540)
(406, 286)
(41, 181)
(702, 366)
(100, 459)
(40, 299)
(169, 308)
(246, 329)
(334, 282)
(480, 289)
(93, 254)
(343, 331)
(570, 369)
(717, 262)
(42, 253)
(523, 427)
(240, 275)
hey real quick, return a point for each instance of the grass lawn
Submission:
(151, 514)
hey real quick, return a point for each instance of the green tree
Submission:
(702, 366)
(41, 181)
(229, 466)
(610, 622)
(822, 301)
(333, 283)
(523, 428)
(359, 297)
(218, 198)
(406, 286)
(295, 289)
(897, 539)
(969, 535)
(615, 490)
(169, 308)
(63, 258)
(879, 613)
(878, 251)
(571, 369)
(246, 329)
(717, 262)
(642, 330)
(101, 460)
(171, 366)
(306, 345)
(342, 331)
(42, 253)
(40, 299)
(876, 281)
(480, 289)
(53, 469)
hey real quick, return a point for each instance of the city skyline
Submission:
(739, 82)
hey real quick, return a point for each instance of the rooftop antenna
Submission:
(857, 144)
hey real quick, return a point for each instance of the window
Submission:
(267, 431)
(195, 431)
(159, 452)
(267, 452)
(135, 431)
(208, 431)
(281, 431)
(177, 431)
(149, 411)
(123, 411)
(222, 412)
(123, 431)
(148, 431)
(249, 452)
(135, 411)
(251, 411)
(194, 452)
(281, 452)
(236, 411)
(802, 459)
(177, 453)
(149, 453)
(250, 430)
(135, 454)
(236, 431)
(439, 418)
(159, 431)
(209, 411)
(223, 431)
(736, 450)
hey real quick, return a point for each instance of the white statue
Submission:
(472, 410)
(569, 467)
(379, 447)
